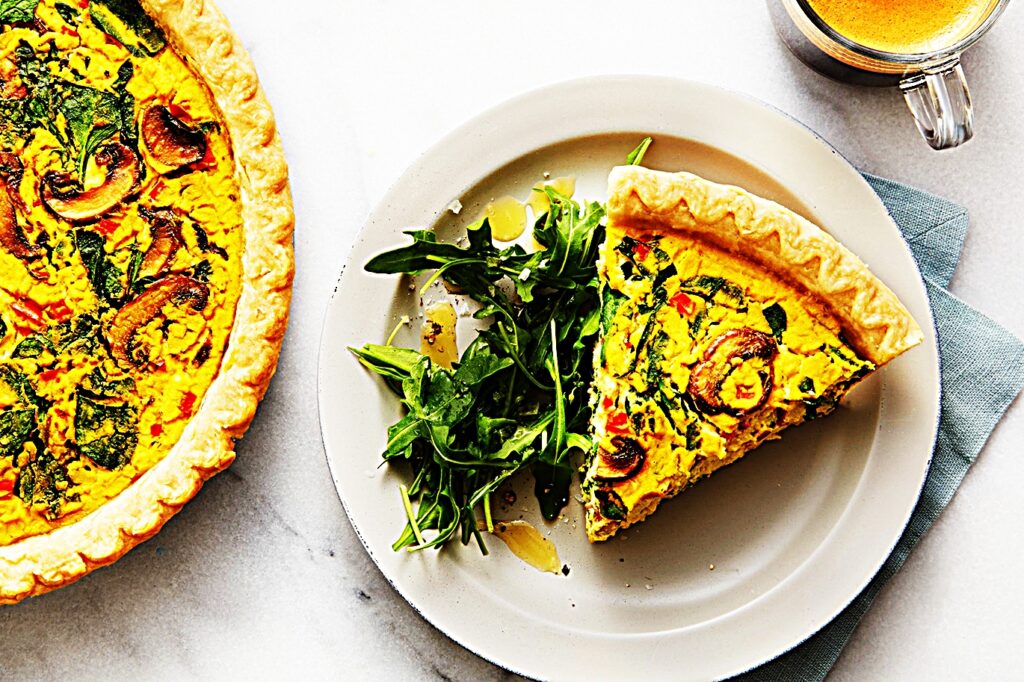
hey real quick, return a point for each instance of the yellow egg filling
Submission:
(120, 254)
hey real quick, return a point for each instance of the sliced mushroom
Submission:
(66, 198)
(171, 141)
(11, 236)
(176, 288)
(166, 232)
(621, 464)
(725, 353)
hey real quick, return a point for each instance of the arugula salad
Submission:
(519, 396)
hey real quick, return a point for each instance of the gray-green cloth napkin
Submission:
(982, 373)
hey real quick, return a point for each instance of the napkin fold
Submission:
(982, 371)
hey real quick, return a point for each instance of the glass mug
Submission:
(932, 80)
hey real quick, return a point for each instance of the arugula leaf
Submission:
(17, 11)
(519, 396)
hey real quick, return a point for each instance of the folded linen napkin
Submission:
(982, 372)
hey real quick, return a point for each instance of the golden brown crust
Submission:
(201, 35)
(875, 321)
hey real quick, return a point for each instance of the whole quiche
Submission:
(145, 272)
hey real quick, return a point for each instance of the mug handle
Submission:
(941, 104)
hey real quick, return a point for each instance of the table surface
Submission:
(262, 573)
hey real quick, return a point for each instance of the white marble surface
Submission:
(262, 575)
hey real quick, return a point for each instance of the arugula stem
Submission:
(559, 428)
(394, 332)
(407, 503)
(519, 362)
(487, 512)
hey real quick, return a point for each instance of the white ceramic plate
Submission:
(794, 532)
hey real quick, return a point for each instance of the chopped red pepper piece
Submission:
(156, 429)
(188, 401)
(606, 403)
(49, 375)
(29, 310)
(158, 187)
(60, 311)
(744, 393)
(6, 487)
(106, 226)
(207, 162)
(178, 112)
(641, 250)
(618, 422)
(683, 304)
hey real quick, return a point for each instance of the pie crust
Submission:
(202, 36)
(876, 324)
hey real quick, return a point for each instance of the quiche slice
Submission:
(725, 319)
(145, 272)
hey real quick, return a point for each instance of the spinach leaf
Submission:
(32, 347)
(44, 480)
(82, 330)
(775, 315)
(16, 425)
(204, 243)
(20, 384)
(98, 384)
(106, 434)
(67, 13)
(94, 116)
(126, 22)
(201, 271)
(17, 11)
(104, 276)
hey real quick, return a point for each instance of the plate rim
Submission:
(610, 81)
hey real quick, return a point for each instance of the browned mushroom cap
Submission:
(724, 354)
(176, 288)
(166, 233)
(65, 198)
(11, 236)
(621, 464)
(171, 142)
